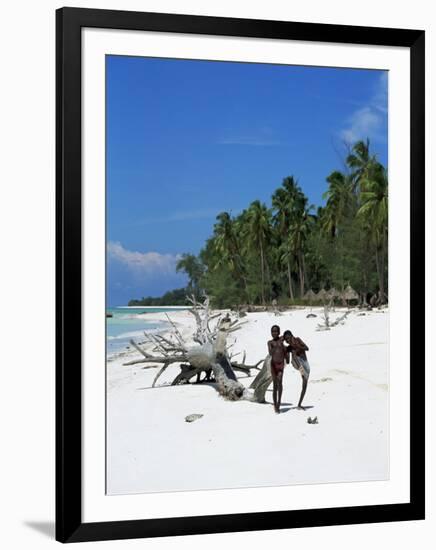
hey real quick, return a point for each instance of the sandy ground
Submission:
(243, 444)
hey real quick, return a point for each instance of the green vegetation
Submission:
(280, 251)
(175, 297)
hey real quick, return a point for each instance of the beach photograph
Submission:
(247, 299)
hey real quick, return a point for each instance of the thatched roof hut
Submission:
(350, 294)
(333, 293)
(310, 296)
(322, 295)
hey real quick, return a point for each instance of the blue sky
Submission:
(188, 139)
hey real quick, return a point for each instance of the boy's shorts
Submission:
(302, 365)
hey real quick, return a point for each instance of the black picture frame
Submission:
(69, 525)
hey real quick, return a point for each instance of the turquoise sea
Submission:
(131, 322)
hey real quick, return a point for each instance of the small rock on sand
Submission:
(192, 417)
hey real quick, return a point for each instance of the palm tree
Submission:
(258, 235)
(192, 266)
(281, 206)
(358, 160)
(339, 200)
(227, 246)
(296, 198)
(286, 256)
(339, 209)
(363, 165)
(374, 210)
(288, 202)
(298, 234)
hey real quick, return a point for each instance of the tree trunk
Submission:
(262, 381)
(228, 386)
(382, 268)
(268, 277)
(215, 356)
(239, 271)
(263, 273)
(291, 292)
(377, 263)
(247, 294)
(382, 277)
(301, 275)
(365, 286)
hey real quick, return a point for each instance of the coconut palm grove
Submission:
(290, 252)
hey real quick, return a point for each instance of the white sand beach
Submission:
(151, 448)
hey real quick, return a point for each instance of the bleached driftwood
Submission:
(209, 353)
(340, 320)
(327, 324)
(326, 319)
(262, 381)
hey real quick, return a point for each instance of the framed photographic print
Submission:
(240, 274)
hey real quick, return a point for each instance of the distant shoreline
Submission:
(151, 307)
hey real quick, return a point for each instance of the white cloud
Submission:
(365, 122)
(150, 263)
(380, 98)
(369, 121)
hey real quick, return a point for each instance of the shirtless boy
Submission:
(297, 348)
(279, 355)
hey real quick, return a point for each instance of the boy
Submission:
(279, 355)
(299, 361)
